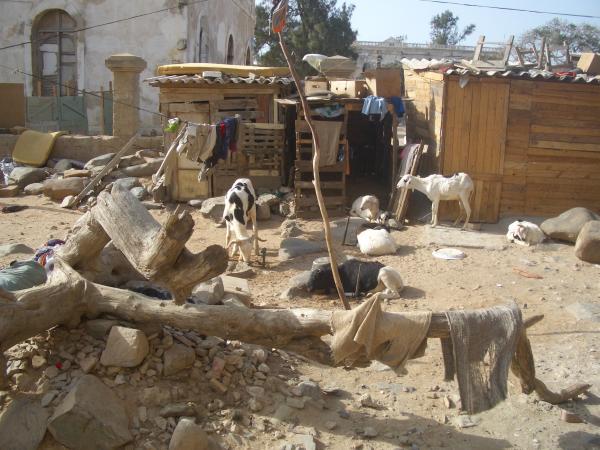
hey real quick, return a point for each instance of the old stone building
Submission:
(64, 60)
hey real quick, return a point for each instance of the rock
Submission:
(139, 192)
(48, 397)
(62, 165)
(570, 417)
(90, 416)
(75, 173)
(148, 289)
(51, 372)
(464, 421)
(324, 260)
(240, 269)
(283, 413)
(23, 424)
(587, 246)
(132, 160)
(370, 432)
(212, 208)
(34, 189)
(297, 286)
(294, 402)
(151, 205)
(188, 436)
(234, 300)
(267, 199)
(147, 169)
(366, 401)
(128, 183)
(255, 405)
(22, 176)
(292, 247)
(263, 212)
(9, 191)
(309, 389)
(585, 311)
(178, 410)
(155, 396)
(57, 189)
(255, 391)
(177, 358)
(99, 328)
(210, 292)
(37, 361)
(88, 363)
(15, 249)
(195, 203)
(330, 424)
(66, 202)
(99, 161)
(305, 442)
(289, 228)
(126, 347)
(567, 226)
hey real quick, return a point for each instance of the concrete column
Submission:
(126, 70)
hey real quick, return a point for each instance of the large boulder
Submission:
(23, 424)
(177, 358)
(34, 189)
(62, 165)
(126, 347)
(587, 246)
(99, 161)
(142, 170)
(59, 188)
(22, 176)
(189, 436)
(209, 292)
(297, 286)
(293, 247)
(90, 416)
(212, 208)
(567, 226)
(128, 183)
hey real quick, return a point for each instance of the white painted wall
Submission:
(154, 38)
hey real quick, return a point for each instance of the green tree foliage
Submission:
(579, 38)
(313, 26)
(444, 29)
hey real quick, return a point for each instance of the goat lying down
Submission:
(376, 242)
(438, 187)
(525, 233)
(240, 208)
(367, 207)
(364, 277)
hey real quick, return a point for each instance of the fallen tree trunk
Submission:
(68, 296)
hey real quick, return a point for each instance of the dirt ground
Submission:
(567, 350)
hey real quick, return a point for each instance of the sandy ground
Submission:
(567, 350)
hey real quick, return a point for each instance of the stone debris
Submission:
(23, 176)
(210, 292)
(465, 421)
(177, 358)
(23, 424)
(34, 189)
(293, 247)
(587, 246)
(189, 436)
(126, 347)
(290, 228)
(566, 227)
(212, 208)
(59, 188)
(570, 417)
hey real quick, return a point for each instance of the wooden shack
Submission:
(208, 93)
(529, 140)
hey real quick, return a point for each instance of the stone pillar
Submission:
(126, 70)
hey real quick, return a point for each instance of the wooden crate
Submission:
(351, 88)
(384, 82)
(312, 86)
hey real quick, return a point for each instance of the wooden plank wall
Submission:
(424, 108)
(474, 142)
(552, 160)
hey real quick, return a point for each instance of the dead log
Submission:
(85, 241)
(157, 252)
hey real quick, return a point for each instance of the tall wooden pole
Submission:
(317, 180)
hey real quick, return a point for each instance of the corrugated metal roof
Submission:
(224, 79)
(531, 74)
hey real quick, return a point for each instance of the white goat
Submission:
(367, 207)
(389, 283)
(240, 208)
(525, 233)
(438, 187)
(376, 242)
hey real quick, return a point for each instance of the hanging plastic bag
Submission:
(278, 15)
(172, 125)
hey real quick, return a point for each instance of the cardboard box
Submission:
(351, 88)
(385, 82)
(590, 63)
(312, 87)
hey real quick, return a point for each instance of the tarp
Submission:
(229, 69)
(33, 148)
(22, 275)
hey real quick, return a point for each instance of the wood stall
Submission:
(531, 145)
(190, 92)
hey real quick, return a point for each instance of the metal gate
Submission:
(57, 114)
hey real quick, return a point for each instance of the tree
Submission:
(444, 29)
(313, 26)
(579, 38)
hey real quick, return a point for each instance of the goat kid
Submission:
(438, 187)
(376, 242)
(525, 233)
(240, 208)
(364, 277)
(367, 207)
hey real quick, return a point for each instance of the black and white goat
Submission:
(363, 277)
(240, 208)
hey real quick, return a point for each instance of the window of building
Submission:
(230, 50)
(55, 54)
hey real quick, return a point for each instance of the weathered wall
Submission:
(82, 148)
(156, 38)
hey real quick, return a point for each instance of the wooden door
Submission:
(474, 142)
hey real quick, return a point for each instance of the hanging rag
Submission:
(398, 105)
(390, 338)
(480, 350)
(328, 134)
(374, 106)
(204, 143)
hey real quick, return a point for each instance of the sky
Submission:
(376, 20)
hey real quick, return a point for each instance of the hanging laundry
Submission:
(203, 144)
(398, 104)
(374, 106)
(226, 134)
(480, 349)
(367, 331)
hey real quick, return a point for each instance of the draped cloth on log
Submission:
(367, 331)
(328, 133)
(482, 345)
